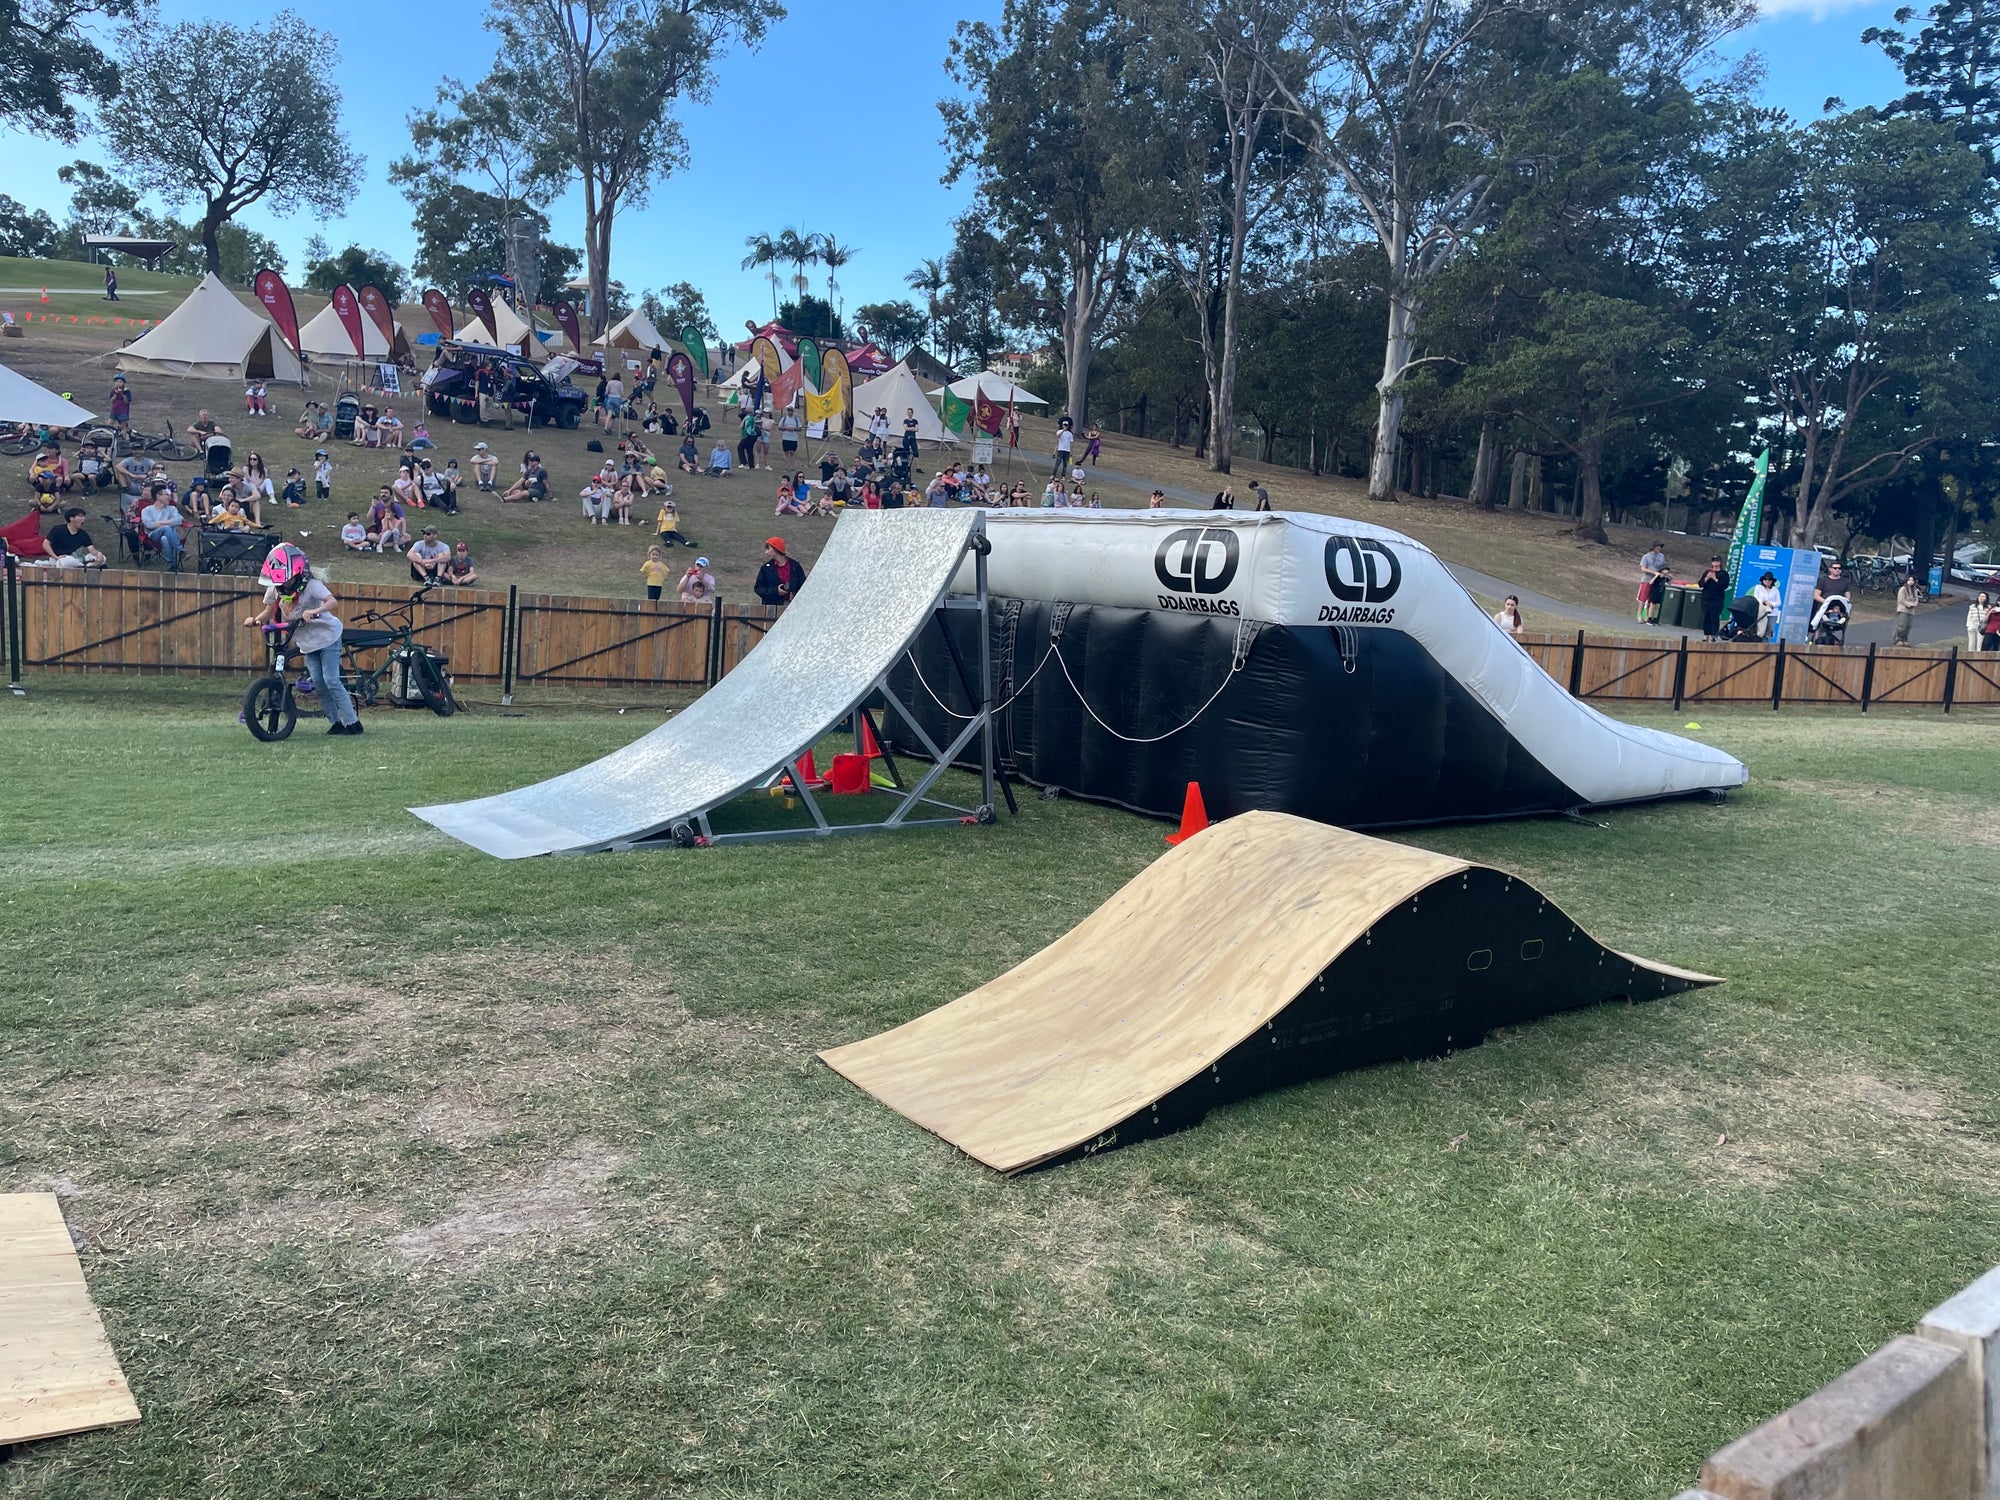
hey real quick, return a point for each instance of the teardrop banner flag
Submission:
(768, 359)
(440, 310)
(680, 370)
(277, 300)
(1749, 523)
(954, 410)
(566, 320)
(809, 357)
(697, 348)
(377, 307)
(347, 308)
(837, 380)
(482, 309)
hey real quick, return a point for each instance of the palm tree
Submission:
(797, 251)
(930, 279)
(766, 252)
(833, 255)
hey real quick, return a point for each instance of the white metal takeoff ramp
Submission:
(882, 577)
(1262, 952)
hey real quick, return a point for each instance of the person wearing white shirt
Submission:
(1770, 606)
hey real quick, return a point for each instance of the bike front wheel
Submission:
(432, 685)
(270, 712)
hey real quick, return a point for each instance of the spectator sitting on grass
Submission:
(668, 526)
(421, 437)
(354, 536)
(485, 467)
(231, 517)
(689, 456)
(458, 567)
(596, 500)
(365, 434)
(49, 476)
(387, 523)
(718, 462)
(451, 480)
(391, 428)
(201, 503)
(295, 489)
(533, 485)
(69, 544)
(427, 557)
(789, 503)
(622, 495)
(202, 428)
(92, 471)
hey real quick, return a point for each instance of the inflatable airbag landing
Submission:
(1288, 662)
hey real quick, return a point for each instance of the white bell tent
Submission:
(215, 336)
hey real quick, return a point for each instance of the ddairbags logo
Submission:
(1193, 562)
(1360, 571)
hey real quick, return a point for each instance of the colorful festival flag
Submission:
(437, 305)
(823, 408)
(697, 348)
(1749, 523)
(989, 415)
(837, 380)
(680, 372)
(277, 300)
(809, 357)
(482, 309)
(954, 410)
(565, 312)
(348, 309)
(769, 360)
(377, 307)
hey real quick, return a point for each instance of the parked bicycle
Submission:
(410, 673)
(166, 445)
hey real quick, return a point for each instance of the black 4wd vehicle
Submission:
(462, 373)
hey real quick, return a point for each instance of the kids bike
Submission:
(409, 674)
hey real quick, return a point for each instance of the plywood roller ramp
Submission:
(57, 1370)
(1262, 952)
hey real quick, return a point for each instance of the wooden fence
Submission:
(190, 623)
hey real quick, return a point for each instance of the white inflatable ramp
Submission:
(876, 587)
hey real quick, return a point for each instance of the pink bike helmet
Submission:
(286, 568)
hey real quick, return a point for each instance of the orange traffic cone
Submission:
(45, 296)
(810, 769)
(1194, 816)
(869, 749)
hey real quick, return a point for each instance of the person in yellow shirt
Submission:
(231, 517)
(668, 527)
(655, 571)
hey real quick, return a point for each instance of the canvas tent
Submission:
(324, 340)
(21, 400)
(998, 388)
(898, 390)
(512, 331)
(214, 336)
(635, 331)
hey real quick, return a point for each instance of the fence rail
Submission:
(192, 623)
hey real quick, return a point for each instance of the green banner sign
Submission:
(1749, 522)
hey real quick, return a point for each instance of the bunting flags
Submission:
(348, 310)
(277, 300)
(439, 308)
(697, 348)
(954, 410)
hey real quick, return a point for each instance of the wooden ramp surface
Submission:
(58, 1373)
(1200, 951)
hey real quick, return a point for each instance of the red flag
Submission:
(566, 318)
(987, 414)
(789, 382)
(377, 307)
(348, 310)
(277, 300)
(680, 370)
(440, 311)
(482, 309)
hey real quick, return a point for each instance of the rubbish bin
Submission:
(1682, 605)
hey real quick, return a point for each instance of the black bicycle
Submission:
(410, 673)
(164, 445)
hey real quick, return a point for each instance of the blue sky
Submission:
(871, 179)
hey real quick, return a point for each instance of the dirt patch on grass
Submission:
(489, 1097)
(1903, 811)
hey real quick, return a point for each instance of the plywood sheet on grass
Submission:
(58, 1373)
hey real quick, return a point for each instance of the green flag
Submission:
(957, 410)
(697, 348)
(809, 357)
(1749, 522)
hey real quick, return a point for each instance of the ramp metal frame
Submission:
(697, 830)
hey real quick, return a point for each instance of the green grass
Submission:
(401, 1171)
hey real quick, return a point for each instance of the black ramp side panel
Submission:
(1358, 728)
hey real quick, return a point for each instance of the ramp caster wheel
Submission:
(984, 815)
(981, 545)
(683, 835)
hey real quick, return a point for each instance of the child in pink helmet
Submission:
(294, 597)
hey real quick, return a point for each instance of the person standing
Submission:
(788, 434)
(1975, 620)
(110, 284)
(780, 578)
(1909, 599)
(1770, 607)
(1095, 444)
(1263, 497)
(121, 405)
(1714, 586)
(292, 595)
(1065, 440)
(1508, 615)
(1989, 630)
(1652, 583)
(697, 584)
(746, 443)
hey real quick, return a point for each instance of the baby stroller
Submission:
(218, 456)
(1742, 622)
(1829, 626)
(345, 411)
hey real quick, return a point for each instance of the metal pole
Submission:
(14, 627)
(1868, 678)
(509, 629)
(1778, 677)
(985, 662)
(1576, 668)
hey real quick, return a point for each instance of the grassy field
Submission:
(400, 1171)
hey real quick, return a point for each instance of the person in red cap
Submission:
(781, 578)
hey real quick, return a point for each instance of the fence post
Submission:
(1868, 678)
(1950, 678)
(14, 627)
(714, 673)
(1680, 674)
(1576, 668)
(1778, 677)
(509, 627)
